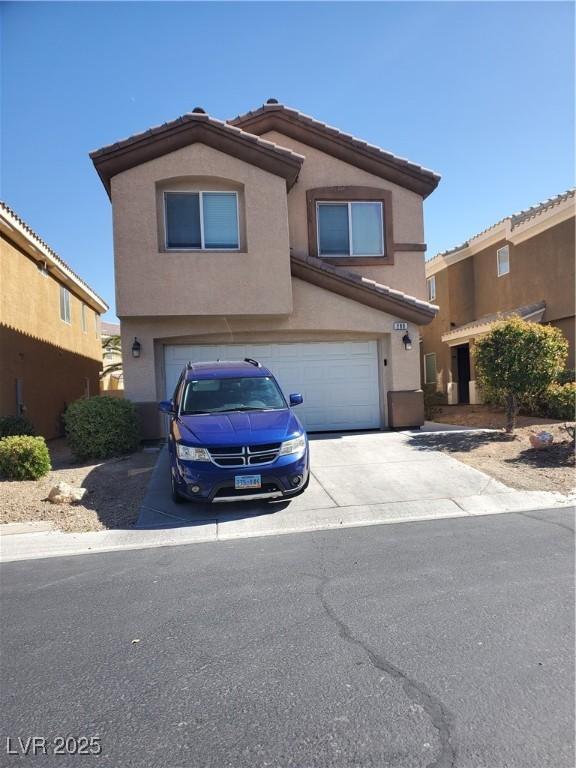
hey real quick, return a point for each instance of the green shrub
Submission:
(23, 457)
(518, 361)
(15, 425)
(567, 376)
(100, 427)
(559, 401)
(433, 399)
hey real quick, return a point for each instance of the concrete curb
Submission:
(30, 546)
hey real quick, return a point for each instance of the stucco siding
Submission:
(151, 281)
(319, 315)
(323, 170)
(30, 303)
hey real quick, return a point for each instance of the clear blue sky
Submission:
(483, 93)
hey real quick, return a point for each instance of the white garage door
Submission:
(339, 380)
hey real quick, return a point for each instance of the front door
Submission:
(463, 362)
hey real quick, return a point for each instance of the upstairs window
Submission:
(201, 221)
(503, 260)
(65, 304)
(431, 287)
(84, 324)
(350, 229)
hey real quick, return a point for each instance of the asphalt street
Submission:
(443, 643)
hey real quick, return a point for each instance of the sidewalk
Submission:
(383, 481)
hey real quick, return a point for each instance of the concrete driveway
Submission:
(357, 479)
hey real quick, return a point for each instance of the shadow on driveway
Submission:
(159, 511)
(456, 442)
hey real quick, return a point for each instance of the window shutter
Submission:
(220, 220)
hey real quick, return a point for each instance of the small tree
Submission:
(112, 344)
(519, 359)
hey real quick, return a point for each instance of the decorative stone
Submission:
(539, 440)
(62, 493)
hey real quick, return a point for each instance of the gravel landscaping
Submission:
(511, 461)
(115, 489)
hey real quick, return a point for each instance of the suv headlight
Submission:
(296, 445)
(189, 453)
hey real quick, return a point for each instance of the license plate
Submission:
(247, 481)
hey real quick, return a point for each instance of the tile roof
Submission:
(526, 311)
(36, 240)
(515, 219)
(185, 130)
(362, 289)
(424, 179)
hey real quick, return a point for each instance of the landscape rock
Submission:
(62, 493)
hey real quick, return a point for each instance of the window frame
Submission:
(498, 252)
(431, 281)
(431, 354)
(354, 194)
(84, 319)
(350, 255)
(64, 292)
(200, 193)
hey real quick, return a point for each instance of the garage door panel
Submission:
(339, 380)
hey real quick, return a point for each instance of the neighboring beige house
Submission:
(111, 381)
(277, 237)
(50, 351)
(522, 265)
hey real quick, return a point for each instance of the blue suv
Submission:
(233, 435)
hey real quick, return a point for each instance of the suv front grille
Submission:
(244, 455)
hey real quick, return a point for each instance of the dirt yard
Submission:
(115, 489)
(513, 462)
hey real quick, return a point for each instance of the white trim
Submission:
(42, 252)
(431, 282)
(200, 193)
(455, 337)
(64, 292)
(504, 250)
(350, 255)
(533, 225)
(431, 354)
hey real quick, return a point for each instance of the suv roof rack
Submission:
(252, 362)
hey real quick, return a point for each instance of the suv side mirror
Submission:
(296, 399)
(166, 406)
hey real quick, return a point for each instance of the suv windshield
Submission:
(249, 393)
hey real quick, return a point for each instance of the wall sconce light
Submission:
(407, 341)
(136, 348)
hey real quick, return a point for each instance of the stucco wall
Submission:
(541, 269)
(322, 170)
(319, 315)
(150, 281)
(49, 377)
(30, 303)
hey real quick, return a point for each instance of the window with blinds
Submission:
(350, 229)
(201, 220)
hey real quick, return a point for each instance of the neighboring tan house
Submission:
(523, 265)
(276, 237)
(50, 351)
(112, 379)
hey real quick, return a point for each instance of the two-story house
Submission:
(50, 352)
(276, 237)
(522, 265)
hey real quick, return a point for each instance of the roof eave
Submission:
(110, 161)
(350, 286)
(331, 141)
